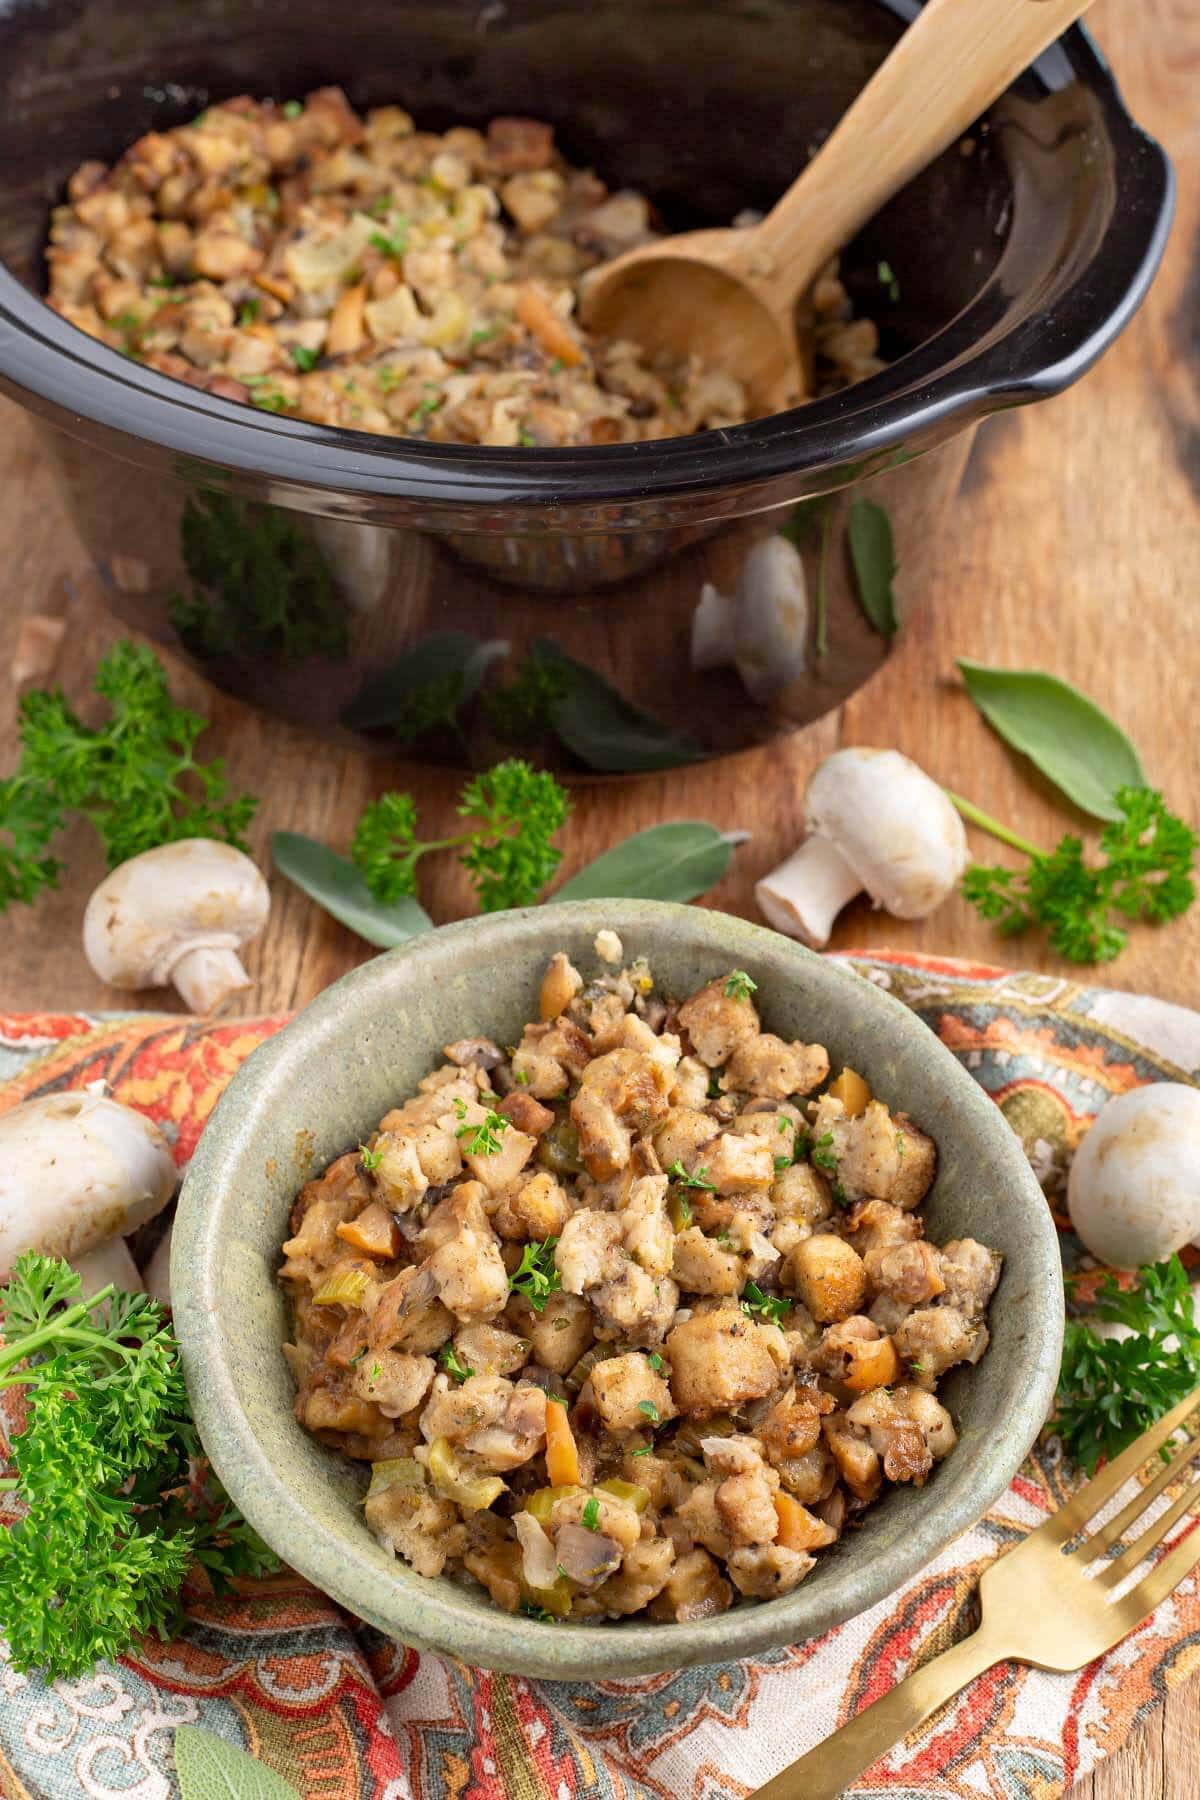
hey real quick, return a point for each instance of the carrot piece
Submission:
(798, 1528)
(536, 316)
(374, 1231)
(562, 1453)
(275, 285)
(346, 322)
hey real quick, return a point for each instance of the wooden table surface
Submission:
(1078, 535)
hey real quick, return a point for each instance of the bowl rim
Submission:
(487, 1636)
(958, 374)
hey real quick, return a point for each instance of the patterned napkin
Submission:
(345, 1715)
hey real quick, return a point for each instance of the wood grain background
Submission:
(1078, 550)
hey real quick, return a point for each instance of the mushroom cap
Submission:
(155, 909)
(894, 826)
(1134, 1187)
(75, 1170)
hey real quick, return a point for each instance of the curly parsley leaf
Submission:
(113, 1518)
(508, 851)
(1110, 1390)
(136, 777)
(1146, 873)
(739, 986)
(260, 584)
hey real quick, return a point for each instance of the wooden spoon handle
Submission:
(955, 59)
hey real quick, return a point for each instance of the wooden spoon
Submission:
(729, 296)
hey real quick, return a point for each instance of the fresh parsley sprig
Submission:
(136, 777)
(508, 851)
(104, 1469)
(1111, 1389)
(1145, 871)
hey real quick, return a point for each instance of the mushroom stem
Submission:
(205, 977)
(107, 1264)
(805, 894)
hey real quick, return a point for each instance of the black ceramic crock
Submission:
(1016, 259)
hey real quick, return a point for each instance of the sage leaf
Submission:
(873, 559)
(677, 861)
(211, 1768)
(1061, 731)
(601, 727)
(425, 688)
(334, 883)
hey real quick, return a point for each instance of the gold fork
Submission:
(1043, 1603)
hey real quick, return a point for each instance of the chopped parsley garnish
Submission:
(396, 245)
(292, 109)
(389, 379)
(304, 359)
(540, 1613)
(739, 986)
(425, 409)
(536, 1276)
(655, 1360)
(375, 1371)
(381, 204)
(678, 1173)
(449, 1358)
(370, 1159)
(591, 1514)
(483, 1139)
(521, 1077)
(782, 1163)
(887, 279)
(483, 335)
(526, 439)
(650, 1409)
(784, 1124)
(822, 1156)
(646, 1450)
(248, 311)
(769, 1307)
(839, 1194)
(270, 402)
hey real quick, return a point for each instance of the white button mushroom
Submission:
(78, 1173)
(875, 821)
(763, 629)
(177, 914)
(1134, 1187)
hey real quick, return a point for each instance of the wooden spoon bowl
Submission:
(730, 296)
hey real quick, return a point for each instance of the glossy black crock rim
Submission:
(97, 394)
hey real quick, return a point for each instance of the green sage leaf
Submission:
(334, 883)
(600, 726)
(426, 687)
(1061, 731)
(677, 861)
(211, 1768)
(873, 559)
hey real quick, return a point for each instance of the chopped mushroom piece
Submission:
(615, 1345)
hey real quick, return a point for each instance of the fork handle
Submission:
(832, 1765)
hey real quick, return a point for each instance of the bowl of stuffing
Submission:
(611, 1287)
(314, 276)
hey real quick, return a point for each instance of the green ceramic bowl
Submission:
(317, 1088)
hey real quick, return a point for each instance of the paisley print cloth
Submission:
(345, 1715)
